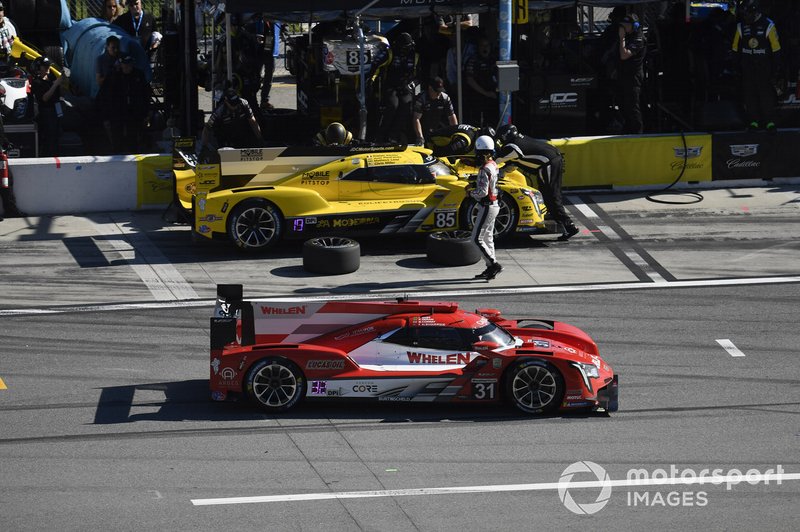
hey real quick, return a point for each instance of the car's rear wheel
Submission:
(504, 225)
(255, 224)
(535, 387)
(275, 384)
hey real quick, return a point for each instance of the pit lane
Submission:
(105, 421)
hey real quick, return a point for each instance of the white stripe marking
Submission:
(426, 294)
(728, 346)
(161, 278)
(542, 486)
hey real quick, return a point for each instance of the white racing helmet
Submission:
(484, 143)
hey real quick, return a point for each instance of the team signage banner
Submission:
(635, 160)
(756, 154)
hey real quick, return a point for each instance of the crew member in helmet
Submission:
(485, 193)
(398, 87)
(757, 45)
(232, 123)
(534, 157)
(334, 135)
(456, 140)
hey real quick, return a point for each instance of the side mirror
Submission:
(484, 346)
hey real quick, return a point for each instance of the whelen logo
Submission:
(690, 152)
(280, 310)
(560, 98)
(744, 150)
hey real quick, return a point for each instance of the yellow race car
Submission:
(257, 196)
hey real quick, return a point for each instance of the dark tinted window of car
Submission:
(401, 337)
(405, 174)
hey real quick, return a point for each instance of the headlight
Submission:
(587, 371)
(536, 198)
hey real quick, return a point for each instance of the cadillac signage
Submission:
(755, 154)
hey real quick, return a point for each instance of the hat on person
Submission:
(436, 84)
(2, 8)
(127, 60)
(230, 95)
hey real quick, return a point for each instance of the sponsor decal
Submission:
(204, 229)
(325, 364)
(201, 204)
(241, 364)
(366, 387)
(300, 309)
(573, 404)
(217, 395)
(319, 387)
(227, 374)
(541, 343)
(356, 332)
(497, 363)
(581, 82)
(298, 225)
(394, 398)
(215, 365)
(311, 220)
(454, 358)
(744, 150)
(561, 99)
(569, 349)
(251, 154)
(692, 152)
(576, 397)
(596, 360)
(317, 174)
(224, 208)
(210, 218)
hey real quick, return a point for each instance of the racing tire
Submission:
(255, 225)
(452, 248)
(331, 255)
(505, 224)
(534, 386)
(275, 384)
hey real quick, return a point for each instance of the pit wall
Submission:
(76, 185)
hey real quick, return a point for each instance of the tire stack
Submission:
(452, 248)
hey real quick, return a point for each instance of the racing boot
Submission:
(484, 273)
(493, 271)
(570, 230)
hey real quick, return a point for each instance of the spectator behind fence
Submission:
(111, 10)
(7, 31)
(139, 24)
(107, 61)
(756, 42)
(124, 102)
(433, 110)
(46, 88)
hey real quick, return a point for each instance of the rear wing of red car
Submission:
(249, 322)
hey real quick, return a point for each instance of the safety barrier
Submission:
(76, 185)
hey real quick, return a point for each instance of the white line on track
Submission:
(161, 278)
(703, 283)
(542, 486)
(728, 346)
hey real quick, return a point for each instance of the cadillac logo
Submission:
(691, 152)
(744, 150)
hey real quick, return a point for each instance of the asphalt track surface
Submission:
(105, 421)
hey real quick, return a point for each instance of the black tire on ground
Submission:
(505, 224)
(275, 384)
(534, 386)
(331, 255)
(452, 248)
(255, 224)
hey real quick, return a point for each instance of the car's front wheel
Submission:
(255, 224)
(535, 387)
(275, 384)
(504, 225)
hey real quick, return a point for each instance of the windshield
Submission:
(493, 333)
(438, 168)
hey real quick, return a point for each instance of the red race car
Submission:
(278, 353)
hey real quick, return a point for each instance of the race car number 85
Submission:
(445, 219)
(352, 57)
(483, 390)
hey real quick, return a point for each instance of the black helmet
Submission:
(404, 41)
(487, 130)
(335, 133)
(39, 62)
(507, 133)
(748, 6)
